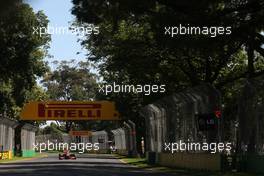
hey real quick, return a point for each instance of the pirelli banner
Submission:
(74, 110)
(80, 133)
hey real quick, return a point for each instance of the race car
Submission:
(66, 155)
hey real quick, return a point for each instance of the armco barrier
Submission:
(199, 161)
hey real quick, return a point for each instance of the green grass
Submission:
(139, 162)
(239, 174)
(51, 151)
(16, 158)
(142, 163)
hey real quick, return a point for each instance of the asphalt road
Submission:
(85, 165)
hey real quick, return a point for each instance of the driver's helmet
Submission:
(66, 151)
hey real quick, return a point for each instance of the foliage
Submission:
(21, 55)
(37, 94)
(53, 130)
(132, 35)
(132, 47)
(71, 81)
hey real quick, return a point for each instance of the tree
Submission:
(132, 37)
(6, 6)
(21, 55)
(71, 81)
(53, 130)
(139, 29)
(133, 49)
(37, 94)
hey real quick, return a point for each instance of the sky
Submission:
(62, 47)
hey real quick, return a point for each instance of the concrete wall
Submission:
(200, 161)
(253, 164)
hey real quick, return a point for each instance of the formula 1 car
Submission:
(66, 155)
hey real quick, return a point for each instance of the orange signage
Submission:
(80, 133)
(73, 110)
(5, 155)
